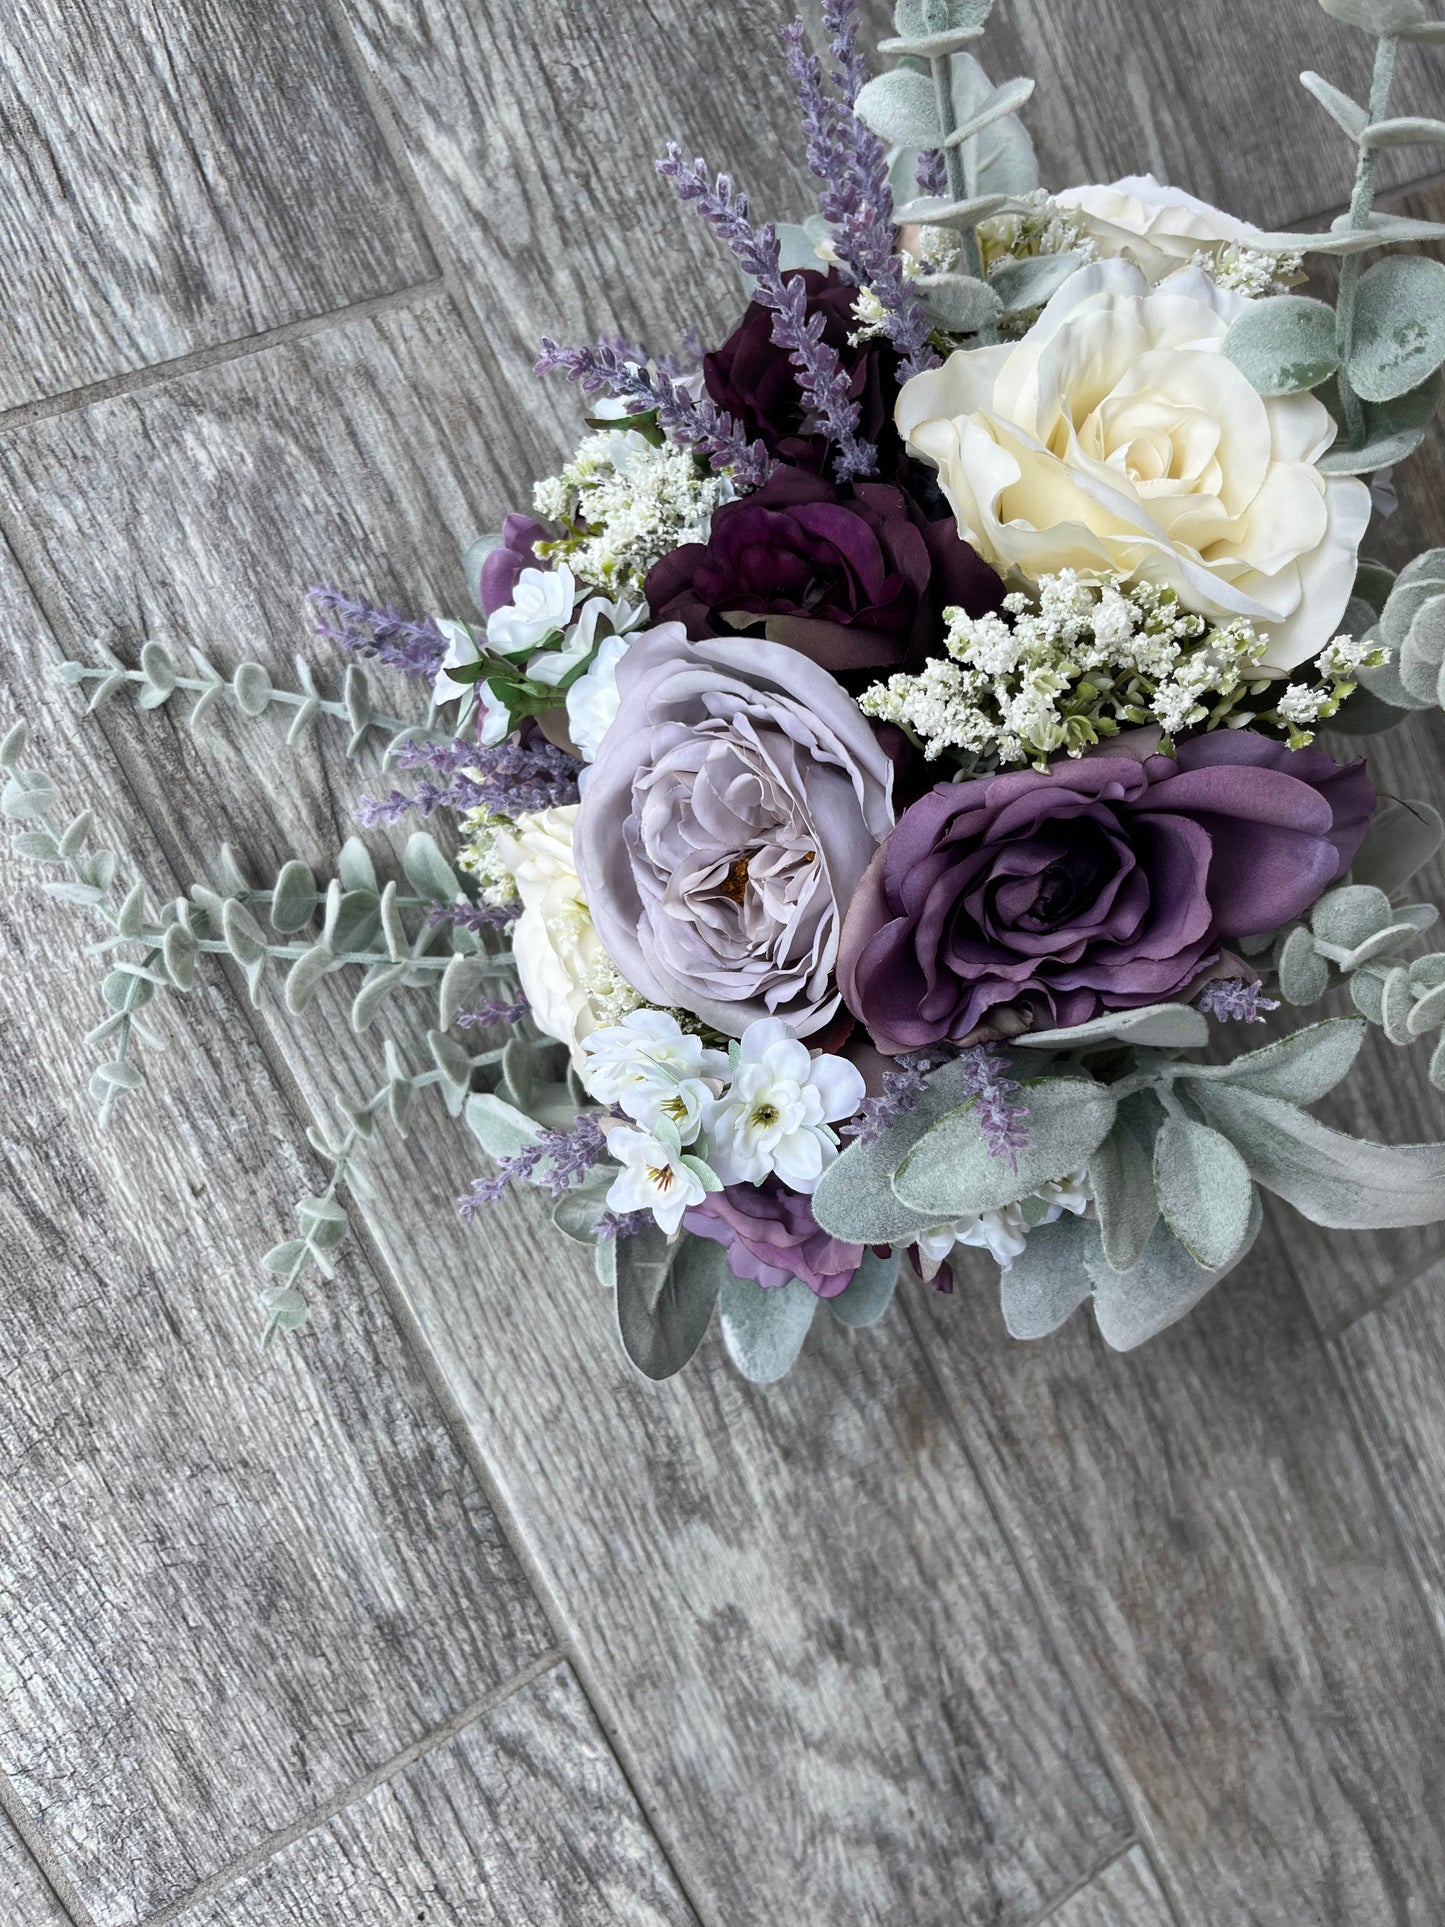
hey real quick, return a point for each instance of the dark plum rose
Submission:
(1104, 884)
(755, 380)
(855, 577)
(770, 1235)
(503, 567)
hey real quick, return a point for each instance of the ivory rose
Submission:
(557, 951)
(1161, 228)
(1116, 439)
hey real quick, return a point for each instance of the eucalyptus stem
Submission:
(1362, 203)
(953, 159)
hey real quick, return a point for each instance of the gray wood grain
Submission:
(234, 1583)
(1233, 1600)
(26, 1896)
(1124, 1895)
(1392, 1363)
(829, 1685)
(522, 1820)
(182, 174)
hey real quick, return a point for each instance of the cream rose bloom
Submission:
(1116, 439)
(557, 951)
(1160, 228)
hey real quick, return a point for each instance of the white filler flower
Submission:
(776, 1115)
(1004, 1232)
(652, 1068)
(654, 1177)
(558, 953)
(541, 603)
(1117, 439)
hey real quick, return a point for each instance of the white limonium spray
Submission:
(1004, 1232)
(776, 1117)
(651, 1068)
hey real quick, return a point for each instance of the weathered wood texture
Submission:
(26, 1897)
(521, 1819)
(1392, 1363)
(1124, 1895)
(1230, 1595)
(182, 174)
(796, 1608)
(234, 1583)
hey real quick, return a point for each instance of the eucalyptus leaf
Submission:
(1301, 1068)
(1304, 976)
(1343, 1183)
(1393, 702)
(869, 1292)
(1049, 1280)
(323, 1222)
(951, 1172)
(959, 303)
(181, 953)
(1134, 1306)
(1121, 1174)
(1398, 338)
(764, 1326)
(1409, 131)
(500, 1128)
(251, 687)
(295, 898)
(1379, 17)
(463, 979)
(1347, 916)
(1034, 281)
(1393, 431)
(355, 868)
(901, 108)
(665, 1298)
(576, 1212)
(1155, 1027)
(796, 249)
(1001, 160)
(1283, 344)
(1342, 110)
(28, 794)
(303, 980)
(1002, 101)
(1206, 1194)
(377, 986)
(473, 561)
(13, 746)
(428, 870)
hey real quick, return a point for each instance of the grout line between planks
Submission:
(156, 374)
(33, 1840)
(287, 1836)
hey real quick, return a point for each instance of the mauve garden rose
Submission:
(1103, 884)
(755, 381)
(734, 805)
(770, 1235)
(856, 577)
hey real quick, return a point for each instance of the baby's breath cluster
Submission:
(1077, 661)
(625, 500)
(1040, 225)
(1250, 271)
(479, 857)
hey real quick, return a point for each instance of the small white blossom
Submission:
(593, 701)
(1004, 1232)
(775, 1117)
(654, 1178)
(652, 1068)
(541, 602)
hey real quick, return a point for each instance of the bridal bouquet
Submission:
(883, 761)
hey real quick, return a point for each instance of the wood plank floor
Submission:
(438, 1613)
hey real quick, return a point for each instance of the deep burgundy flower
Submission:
(1104, 884)
(771, 1235)
(754, 379)
(854, 576)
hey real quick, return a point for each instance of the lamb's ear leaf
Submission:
(868, 1296)
(1379, 16)
(1300, 1068)
(1155, 1027)
(1401, 839)
(1343, 1183)
(665, 1298)
(1034, 281)
(1121, 1173)
(764, 1326)
(1205, 1191)
(1132, 1307)
(901, 108)
(500, 1128)
(1004, 161)
(577, 1211)
(1284, 344)
(952, 1173)
(1050, 1279)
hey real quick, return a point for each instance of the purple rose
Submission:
(755, 380)
(855, 577)
(770, 1235)
(735, 803)
(1105, 884)
(503, 567)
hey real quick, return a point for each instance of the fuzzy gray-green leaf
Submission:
(1034, 281)
(1284, 344)
(1205, 1190)
(1304, 976)
(428, 870)
(1393, 431)
(901, 109)
(1401, 839)
(374, 993)
(1301, 1068)
(1121, 1173)
(764, 1326)
(665, 1298)
(1048, 1282)
(355, 868)
(1155, 1027)
(500, 1128)
(28, 794)
(1399, 329)
(1134, 1306)
(1346, 113)
(869, 1294)
(1379, 17)
(951, 1172)
(303, 980)
(295, 898)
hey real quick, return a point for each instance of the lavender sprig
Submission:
(903, 1085)
(1226, 998)
(822, 380)
(568, 1156)
(491, 1013)
(1004, 1124)
(509, 779)
(696, 424)
(361, 628)
(931, 173)
(613, 1225)
(475, 917)
(852, 165)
